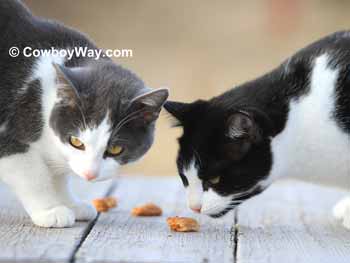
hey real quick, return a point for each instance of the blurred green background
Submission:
(197, 48)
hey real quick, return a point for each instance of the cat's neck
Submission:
(270, 93)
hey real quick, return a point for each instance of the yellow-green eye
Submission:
(76, 143)
(215, 180)
(115, 150)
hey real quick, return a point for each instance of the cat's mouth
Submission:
(223, 212)
(103, 178)
(237, 199)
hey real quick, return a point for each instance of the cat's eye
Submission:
(215, 180)
(115, 150)
(76, 143)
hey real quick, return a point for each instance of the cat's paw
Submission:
(341, 211)
(59, 216)
(84, 211)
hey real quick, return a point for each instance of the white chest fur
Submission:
(312, 147)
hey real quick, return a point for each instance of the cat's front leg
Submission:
(33, 183)
(83, 211)
(341, 211)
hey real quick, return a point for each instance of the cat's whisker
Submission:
(242, 196)
(125, 122)
(55, 164)
(217, 210)
(180, 159)
(79, 123)
(57, 167)
(213, 208)
(126, 119)
(231, 205)
(83, 116)
(79, 106)
(198, 157)
(121, 140)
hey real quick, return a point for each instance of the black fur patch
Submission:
(24, 121)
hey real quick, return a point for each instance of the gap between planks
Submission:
(234, 235)
(90, 226)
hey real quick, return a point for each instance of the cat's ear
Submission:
(177, 109)
(241, 125)
(65, 88)
(249, 124)
(244, 132)
(149, 104)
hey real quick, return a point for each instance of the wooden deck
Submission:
(290, 222)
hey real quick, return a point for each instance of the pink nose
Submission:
(196, 209)
(89, 176)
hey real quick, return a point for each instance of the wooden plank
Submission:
(21, 241)
(119, 237)
(292, 222)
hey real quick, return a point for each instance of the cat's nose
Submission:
(196, 209)
(89, 176)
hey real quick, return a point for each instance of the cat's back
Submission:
(315, 142)
(328, 79)
(12, 10)
(16, 24)
(21, 29)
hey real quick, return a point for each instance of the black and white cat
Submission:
(82, 116)
(291, 122)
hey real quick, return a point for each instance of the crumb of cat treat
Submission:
(183, 224)
(149, 209)
(100, 204)
(111, 201)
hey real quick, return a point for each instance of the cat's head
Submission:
(103, 117)
(224, 156)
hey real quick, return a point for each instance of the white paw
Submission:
(59, 216)
(84, 211)
(341, 211)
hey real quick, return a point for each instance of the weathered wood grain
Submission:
(292, 222)
(119, 237)
(21, 241)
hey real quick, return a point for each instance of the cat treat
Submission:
(148, 209)
(182, 224)
(110, 201)
(100, 205)
(104, 204)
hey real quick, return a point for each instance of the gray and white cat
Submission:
(58, 117)
(291, 122)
